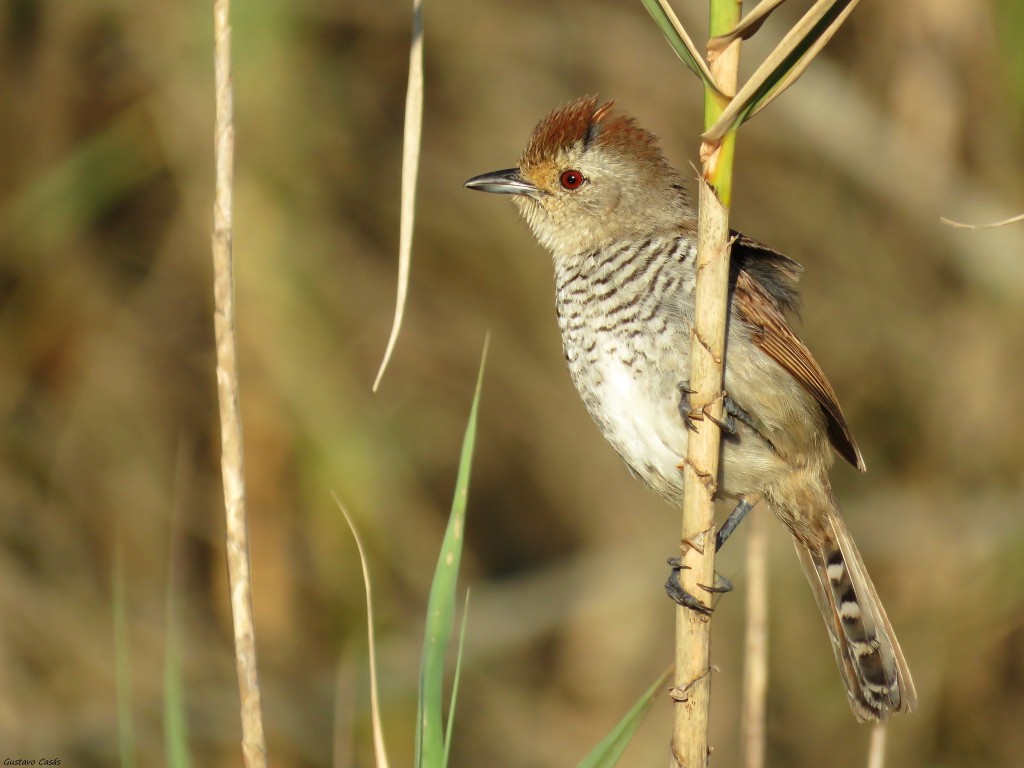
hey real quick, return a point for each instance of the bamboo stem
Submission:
(254, 749)
(700, 470)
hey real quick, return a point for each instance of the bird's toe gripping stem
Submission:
(674, 589)
(732, 412)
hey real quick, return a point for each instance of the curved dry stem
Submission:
(410, 172)
(378, 728)
(991, 225)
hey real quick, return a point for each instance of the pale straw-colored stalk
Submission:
(254, 750)
(876, 749)
(755, 645)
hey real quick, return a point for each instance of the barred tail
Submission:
(869, 657)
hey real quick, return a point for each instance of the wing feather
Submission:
(763, 311)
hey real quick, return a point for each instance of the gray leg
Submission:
(732, 523)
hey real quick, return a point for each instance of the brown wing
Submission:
(762, 312)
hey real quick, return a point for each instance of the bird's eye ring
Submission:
(572, 179)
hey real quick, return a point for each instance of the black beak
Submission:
(507, 182)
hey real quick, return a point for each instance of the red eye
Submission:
(571, 179)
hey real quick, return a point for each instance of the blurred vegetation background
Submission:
(109, 437)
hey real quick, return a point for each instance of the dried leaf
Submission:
(746, 28)
(784, 65)
(680, 41)
(410, 171)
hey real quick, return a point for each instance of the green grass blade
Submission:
(176, 747)
(175, 721)
(123, 666)
(64, 198)
(680, 41)
(455, 680)
(430, 746)
(784, 65)
(607, 753)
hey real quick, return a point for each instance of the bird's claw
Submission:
(731, 412)
(720, 587)
(689, 416)
(727, 424)
(675, 590)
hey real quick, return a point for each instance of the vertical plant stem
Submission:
(700, 470)
(876, 749)
(253, 744)
(755, 656)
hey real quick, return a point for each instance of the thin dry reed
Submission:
(755, 651)
(237, 537)
(876, 749)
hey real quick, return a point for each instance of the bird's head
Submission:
(589, 177)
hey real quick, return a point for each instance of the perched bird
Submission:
(598, 194)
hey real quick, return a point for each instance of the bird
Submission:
(599, 195)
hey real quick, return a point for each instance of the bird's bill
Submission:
(506, 182)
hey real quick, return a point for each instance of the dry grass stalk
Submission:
(379, 748)
(876, 749)
(253, 743)
(755, 655)
(693, 631)
(990, 225)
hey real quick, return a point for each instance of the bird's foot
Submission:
(675, 590)
(732, 412)
(689, 416)
(673, 587)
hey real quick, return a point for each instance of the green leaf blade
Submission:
(680, 41)
(607, 753)
(430, 740)
(455, 680)
(122, 664)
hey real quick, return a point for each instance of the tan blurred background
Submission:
(107, 392)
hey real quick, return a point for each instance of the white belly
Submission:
(639, 415)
